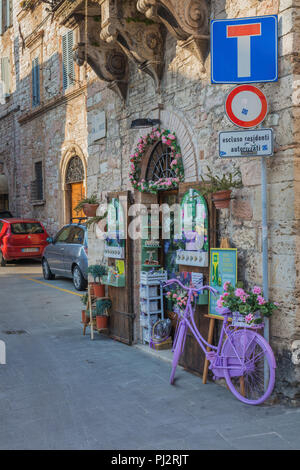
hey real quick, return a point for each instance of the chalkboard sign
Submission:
(222, 268)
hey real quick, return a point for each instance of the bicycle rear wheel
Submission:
(180, 341)
(245, 354)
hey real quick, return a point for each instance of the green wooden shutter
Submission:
(35, 73)
(67, 59)
(8, 6)
(5, 75)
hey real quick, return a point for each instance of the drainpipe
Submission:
(264, 201)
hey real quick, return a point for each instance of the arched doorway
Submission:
(74, 181)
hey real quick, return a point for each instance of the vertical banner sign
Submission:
(222, 268)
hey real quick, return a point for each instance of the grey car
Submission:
(66, 255)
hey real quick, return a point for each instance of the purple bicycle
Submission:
(243, 357)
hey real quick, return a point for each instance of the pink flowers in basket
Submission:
(250, 304)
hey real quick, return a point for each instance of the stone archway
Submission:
(73, 162)
(176, 122)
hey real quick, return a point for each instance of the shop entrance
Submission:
(169, 247)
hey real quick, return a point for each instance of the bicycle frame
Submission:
(188, 320)
(234, 358)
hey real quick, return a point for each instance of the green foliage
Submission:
(84, 299)
(97, 271)
(94, 220)
(246, 302)
(228, 181)
(93, 199)
(102, 305)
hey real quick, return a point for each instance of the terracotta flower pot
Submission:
(101, 322)
(99, 290)
(221, 199)
(90, 209)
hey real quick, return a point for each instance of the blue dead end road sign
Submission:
(244, 50)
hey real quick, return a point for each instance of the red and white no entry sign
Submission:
(246, 106)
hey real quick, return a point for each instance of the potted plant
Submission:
(95, 220)
(88, 205)
(102, 307)
(221, 187)
(247, 307)
(84, 299)
(98, 271)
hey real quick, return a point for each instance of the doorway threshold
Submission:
(163, 354)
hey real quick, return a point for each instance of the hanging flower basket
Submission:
(144, 143)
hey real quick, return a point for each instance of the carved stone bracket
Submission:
(187, 20)
(107, 60)
(140, 39)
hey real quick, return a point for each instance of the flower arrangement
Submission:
(246, 303)
(178, 297)
(144, 142)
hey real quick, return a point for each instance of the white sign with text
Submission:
(250, 143)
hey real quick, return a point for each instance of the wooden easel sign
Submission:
(222, 268)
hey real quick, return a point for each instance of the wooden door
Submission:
(121, 316)
(193, 357)
(77, 193)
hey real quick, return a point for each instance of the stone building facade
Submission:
(43, 131)
(142, 65)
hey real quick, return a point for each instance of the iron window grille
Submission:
(159, 165)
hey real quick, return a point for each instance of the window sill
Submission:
(42, 202)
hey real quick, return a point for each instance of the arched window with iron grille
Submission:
(159, 165)
(75, 170)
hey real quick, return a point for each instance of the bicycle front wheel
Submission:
(249, 357)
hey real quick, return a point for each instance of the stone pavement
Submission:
(60, 390)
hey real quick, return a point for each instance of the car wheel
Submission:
(78, 279)
(48, 275)
(2, 260)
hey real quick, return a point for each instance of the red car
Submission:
(21, 238)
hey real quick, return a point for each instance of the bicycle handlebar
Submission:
(171, 281)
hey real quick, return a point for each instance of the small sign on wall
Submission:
(98, 126)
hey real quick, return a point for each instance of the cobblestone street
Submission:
(60, 390)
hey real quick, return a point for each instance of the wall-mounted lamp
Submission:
(143, 123)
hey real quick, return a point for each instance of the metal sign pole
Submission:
(264, 200)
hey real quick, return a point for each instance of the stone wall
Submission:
(194, 109)
(46, 132)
